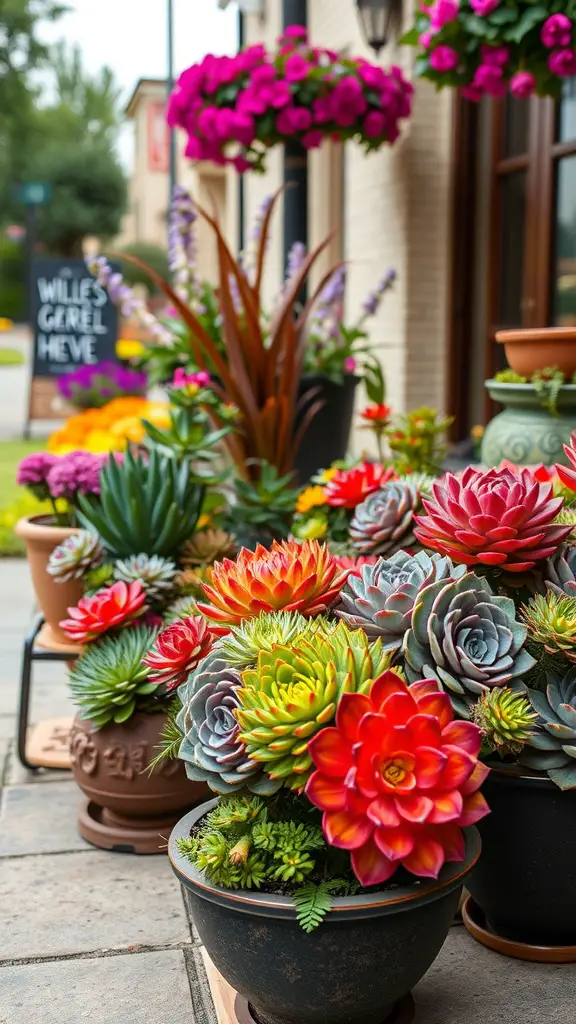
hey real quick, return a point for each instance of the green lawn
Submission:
(14, 501)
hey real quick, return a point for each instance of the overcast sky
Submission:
(131, 36)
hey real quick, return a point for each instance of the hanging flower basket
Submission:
(233, 109)
(492, 46)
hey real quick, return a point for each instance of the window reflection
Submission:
(515, 127)
(567, 112)
(564, 265)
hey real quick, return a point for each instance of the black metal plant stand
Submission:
(32, 653)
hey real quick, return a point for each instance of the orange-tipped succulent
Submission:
(289, 576)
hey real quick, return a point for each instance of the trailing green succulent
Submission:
(553, 747)
(244, 843)
(547, 384)
(265, 506)
(551, 622)
(506, 719)
(109, 682)
(148, 504)
(156, 574)
(241, 647)
(293, 692)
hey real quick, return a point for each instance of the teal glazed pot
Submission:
(525, 433)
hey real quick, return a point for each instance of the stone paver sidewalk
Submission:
(104, 937)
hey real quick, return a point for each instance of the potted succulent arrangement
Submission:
(91, 387)
(490, 47)
(139, 559)
(537, 421)
(234, 109)
(284, 720)
(61, 480)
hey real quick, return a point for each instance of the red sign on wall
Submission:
(158, 138)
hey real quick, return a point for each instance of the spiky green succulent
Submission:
(244, 642)
(467, 638)
(560, 571)
(380, 599)
(506, 719)
(294, 691)
(551, 622)
(156, 574)
(75, 556)
(553, 747)
(109, 682)
(211, 746)
(264, 506)
(181, 608)
(148, 504)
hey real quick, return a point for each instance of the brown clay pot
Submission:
(529, 351)
(40, 538)
(128, 809)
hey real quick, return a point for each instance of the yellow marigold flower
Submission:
(130, 428)
(129, 348)
(327, 475)
(158, 413)
(6, 324)
(311, 497)
(101, 441)
(203, 522)
(477, 433)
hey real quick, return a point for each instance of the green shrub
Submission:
(11, 279)
(25, 505)
(153, 255)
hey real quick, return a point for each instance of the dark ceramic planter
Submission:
(326, 439)
(354, 969)
(525, 880)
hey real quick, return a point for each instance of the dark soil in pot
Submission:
(525, 880)
(354, 969)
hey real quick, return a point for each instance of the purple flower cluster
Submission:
(533, 63)
(371, 303)
(33, 469)
(91, 387)
(182, 243)
(122, 296)
(233, 108)
(75, 473)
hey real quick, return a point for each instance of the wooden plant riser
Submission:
(47, 745)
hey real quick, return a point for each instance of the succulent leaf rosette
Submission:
(560, 571)
(381, 598)
(397, 778)
(109, 609)
(490, 47)
(178, 650)
(567, 474)
(466, 638)
(492, 518)
(553, 747)
(235, 108)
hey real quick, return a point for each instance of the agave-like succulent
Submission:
(551, 622)
(110, 681)
(244, 642)
(302, 577)
(75, 556)
(560, 571)
(294, 691)
(384, 521)
(155, 573)
(494, 518)
(467, 638)
(553, 747)
(211, 746)
(567, 474)
(506, 719)
(207, 546)
(380, 598)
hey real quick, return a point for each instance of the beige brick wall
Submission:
(396, 213)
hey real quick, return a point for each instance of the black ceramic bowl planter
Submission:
(523, 888)
(355, 968)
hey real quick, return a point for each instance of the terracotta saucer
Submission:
(402, 1014)
(475, 924)
(121, 838)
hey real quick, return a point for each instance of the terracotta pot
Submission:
(128, 808)
(529, 351)
(40, 538)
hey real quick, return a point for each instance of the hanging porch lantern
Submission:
(380, 19)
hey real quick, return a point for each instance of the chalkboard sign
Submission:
(74, 321)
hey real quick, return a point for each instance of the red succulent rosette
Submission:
(111, 608)
(349, 487)
(178, 649)
(567, 474)
(397, 778)
(494, 517)
(290, 576)
(353, 564)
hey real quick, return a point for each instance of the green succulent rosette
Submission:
(552, 748)
(294, 691)
(467, 638)
(241, 647)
